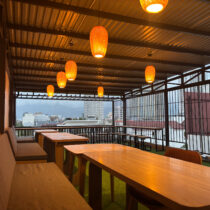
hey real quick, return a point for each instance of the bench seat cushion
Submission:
(7, 167)
(25, 139)
(43, 186)
(30, 151)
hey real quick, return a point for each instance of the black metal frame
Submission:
(67, 97)
(180, 82)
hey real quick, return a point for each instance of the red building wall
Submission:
(197, 113)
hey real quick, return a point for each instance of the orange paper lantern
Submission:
(98, 41)
(50, 90)
(150, 74)
(153, 6)
(61, 79)
(71, 70)
(100, 91)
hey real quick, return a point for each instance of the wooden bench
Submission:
(26, 152)
(120, 137)
(145, 145)
(134, 138)
(34, 186)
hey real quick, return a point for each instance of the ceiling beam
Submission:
(71, 91)
(103, 80)
(85, 53)
(82, 72)
(31, 84)
(115, 17)
(87, 74)
(76, 84)
(26, 87)
(127, 43)
(60, 95)
(97, 66)
(65, 98)
(76, 97)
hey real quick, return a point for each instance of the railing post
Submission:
(113, 122)
(14, 111)
(166, 115)
(124, 114)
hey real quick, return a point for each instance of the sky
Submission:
(53, 107)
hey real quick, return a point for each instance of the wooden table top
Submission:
(175, 183)
(64, 137)
(82, 148)
(46, 131)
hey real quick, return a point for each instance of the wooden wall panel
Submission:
(6, 103)
(2, 85)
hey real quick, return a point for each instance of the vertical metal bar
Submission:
(185, 118)
(11, 104)
(124, 111)
(166, 115)
(113, 121)
(14, 113)
(207, 121)
(199, 118)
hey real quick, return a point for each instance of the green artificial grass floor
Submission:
(119, 190)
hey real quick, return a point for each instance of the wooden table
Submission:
(175, 183)
(54, 142)
(78, 150)
(39, 138)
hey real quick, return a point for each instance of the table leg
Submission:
(156, 146)
(70, 166)
(79, 177)
(36, 137)
(95, 187)
(41, 140)
(49, 148)
(162, 141)
(131, 202)
(59, 155)
(112, 187)
(82, 173)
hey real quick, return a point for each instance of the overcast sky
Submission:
(54, 107)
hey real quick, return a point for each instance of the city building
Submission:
(118, 113)
(94, 110)
(41, 119)
(28, 119)
(79, 123)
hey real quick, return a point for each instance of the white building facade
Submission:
(94, 109)
(28, 120)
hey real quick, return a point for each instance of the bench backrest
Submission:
(187, 155)
(13, 139)
(7, 166)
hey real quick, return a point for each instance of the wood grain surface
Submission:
(64, 137)
(82, 148)
(46, 131)
(175, 183)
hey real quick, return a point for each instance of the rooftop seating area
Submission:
(125, 89)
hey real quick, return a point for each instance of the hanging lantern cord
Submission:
(98, 12)
(101, 76)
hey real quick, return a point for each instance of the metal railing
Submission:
(102, 134)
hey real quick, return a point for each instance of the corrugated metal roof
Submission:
(191, 14)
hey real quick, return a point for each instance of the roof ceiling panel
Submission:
(191, 14)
